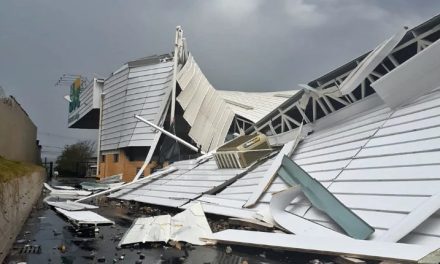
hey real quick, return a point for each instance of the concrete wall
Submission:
(17, 197)
(18, 134)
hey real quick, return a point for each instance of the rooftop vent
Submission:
(242, 151)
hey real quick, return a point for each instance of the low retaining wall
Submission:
(18, 135)
(17, 197)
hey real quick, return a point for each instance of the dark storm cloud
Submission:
(244, 45)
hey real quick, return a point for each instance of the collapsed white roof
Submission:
(380, 159)
(381, 164)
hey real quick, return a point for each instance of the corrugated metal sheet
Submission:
(381, 165)
(210, 112)
(142, 90)
(204, 109)
(255, 106)
(190, 181)
(421, 71)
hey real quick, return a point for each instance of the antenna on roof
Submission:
(68, 79)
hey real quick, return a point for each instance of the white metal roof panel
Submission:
(84, 217)
(421, 70)
(329, 245)
(142, 90)
(190, 181)
(254, 106)
(210, 112)
(209, 131)
(381, 176)
(369, 63)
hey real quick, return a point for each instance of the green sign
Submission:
(75, 89)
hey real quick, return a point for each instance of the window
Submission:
(136, 153)
(102, 158)
(115, 158)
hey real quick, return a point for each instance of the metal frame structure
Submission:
(322, 96)
(240, 125)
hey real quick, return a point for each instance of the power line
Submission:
(45, 146)
(50, 152)
(58, 135)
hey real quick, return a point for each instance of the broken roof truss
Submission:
(349, 83)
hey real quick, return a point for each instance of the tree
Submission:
(73, 160)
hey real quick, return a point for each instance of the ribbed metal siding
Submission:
(204, 109)
(142, 90)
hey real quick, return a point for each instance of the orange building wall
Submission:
(124, 166)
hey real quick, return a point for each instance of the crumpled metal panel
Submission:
(210, 112)
(255, 106)
(209, 122)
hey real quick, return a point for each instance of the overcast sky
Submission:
(239, 44)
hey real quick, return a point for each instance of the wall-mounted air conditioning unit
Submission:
(242, 151)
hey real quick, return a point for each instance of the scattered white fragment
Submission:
(98, 186)
(84, 217)
(70, 206)
(187, 226)
(63, 187)
(148, 229)
(190, 225)
(65, 193)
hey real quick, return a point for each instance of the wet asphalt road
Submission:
(53, 240)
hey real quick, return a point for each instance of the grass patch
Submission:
(12, 169)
